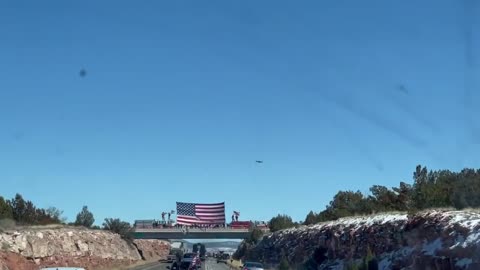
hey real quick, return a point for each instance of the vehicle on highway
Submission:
(252, 266)
(171, 258)
(175, 266)
(223, 258)
(185, 264)
(189, 255)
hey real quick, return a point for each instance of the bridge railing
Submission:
(187, 229)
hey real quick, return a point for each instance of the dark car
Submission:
(185, 264)
(182, 265)
(223, 258)
(171, 258)
(175, 266)
(189, 255)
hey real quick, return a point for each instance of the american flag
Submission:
(196, 213)
(196, 261)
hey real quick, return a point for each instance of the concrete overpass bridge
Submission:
(191, 233)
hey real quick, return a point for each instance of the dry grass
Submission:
(5, 246)
(11, 226)
(7, 224)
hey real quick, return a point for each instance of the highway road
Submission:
(209, 264)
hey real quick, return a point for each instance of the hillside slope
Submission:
(72, 246)
(428, 240)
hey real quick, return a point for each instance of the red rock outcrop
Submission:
(31, 249)
(153, 249)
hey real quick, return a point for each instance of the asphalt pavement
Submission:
(209, 264)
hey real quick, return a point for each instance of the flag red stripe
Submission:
(210, 217)
(186, 222)
(222, 208)
(203, 214)
(210, 213)
(210, 204)
(200, 219)
(210, 210)
(187, 218)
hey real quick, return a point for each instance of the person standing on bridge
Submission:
(163, 216)
(169, 216)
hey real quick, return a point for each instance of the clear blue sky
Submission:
(181, 98)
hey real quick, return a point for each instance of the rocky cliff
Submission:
(31, 249)
(430, 240)
(152, 249)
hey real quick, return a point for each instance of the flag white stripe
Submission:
(210, 210)
(210, 206)
(200, 219)
(210, 218)
(202, 213)
(187, 218)
(210, 214)
(187, 222)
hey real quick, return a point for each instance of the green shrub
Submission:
(7, 224)
(430, 189)
(254, 235)
(85, 218)
(280, 222)
(5, 209)
(117, 226)
(5, 246)
(284, 265)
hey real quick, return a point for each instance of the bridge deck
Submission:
(191, 233)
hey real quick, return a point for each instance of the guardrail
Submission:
(191, 233)
(193, 230)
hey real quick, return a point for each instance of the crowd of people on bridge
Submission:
(155, 224)
(168, 223)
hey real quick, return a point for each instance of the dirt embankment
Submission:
(75, 247)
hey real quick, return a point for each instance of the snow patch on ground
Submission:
(385, 264)
(466, 219)
(473, 238)
(469, 219)
(356, 222)
(445, 219)
(463, 263)
(432, 247)
(388, 258)
(459, 241)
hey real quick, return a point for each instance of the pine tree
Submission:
(85, 218)
(5, 209)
